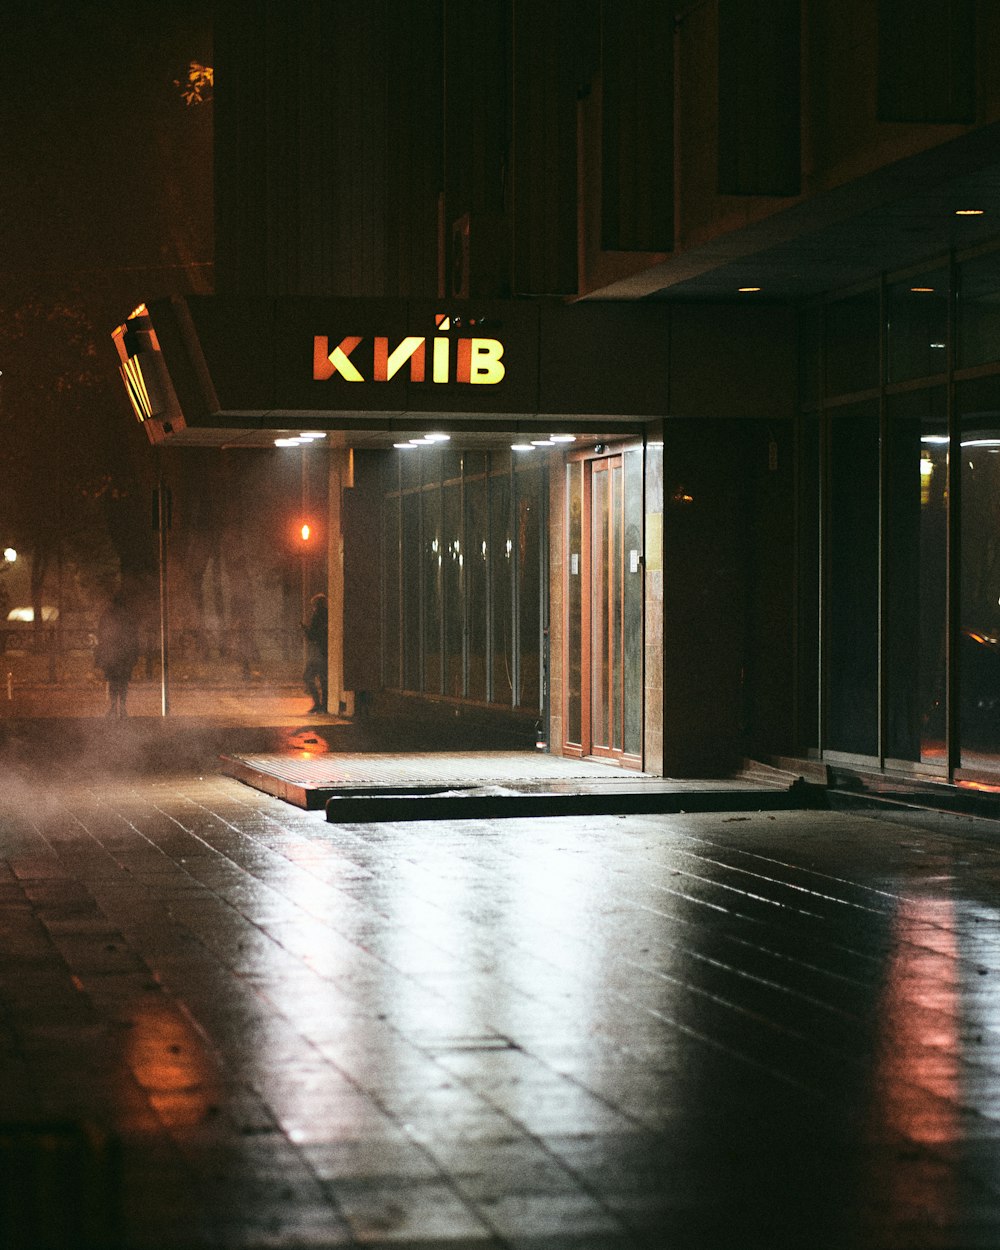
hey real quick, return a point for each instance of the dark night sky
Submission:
(103, 165)
(105, 201)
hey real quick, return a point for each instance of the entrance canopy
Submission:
(214, 370)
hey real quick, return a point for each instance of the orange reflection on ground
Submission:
(916, 1090)
(308, 743)
(169, 1061)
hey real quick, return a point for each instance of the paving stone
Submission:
(556, 1034)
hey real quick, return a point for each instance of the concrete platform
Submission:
(437, 785)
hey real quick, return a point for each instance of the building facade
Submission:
(652, 347)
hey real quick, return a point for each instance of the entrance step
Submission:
(366, 788)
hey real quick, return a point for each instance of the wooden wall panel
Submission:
(927, 61)
(637, 69)
(759, 98)
(545, 88)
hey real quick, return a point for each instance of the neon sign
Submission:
(476, 361)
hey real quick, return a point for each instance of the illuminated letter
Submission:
(479, 362)
(440, 360)
(386, 366)
(327, 363)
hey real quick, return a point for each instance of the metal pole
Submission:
(162, 495)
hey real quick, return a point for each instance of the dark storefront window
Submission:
(453, 573)
(809, 580)
(632, 606)
(432, 551)
(468, 557)
(391, 674)
(477, 572)
(851, 344)
(409, 548)
(852, 584)
(899, 568)
(979, 311)
(917, 550)
(531, 536)
(574, 601)
(501, 561)
(979, 638)
(918, 326)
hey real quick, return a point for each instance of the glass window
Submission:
(917, 550)
(531, 533)
(852, 344)
(574, 599)
(433, 559)
(477, 572)
(501, 564)
(809, 583)
(852, 580)
(390, 597)
(979, 639)
(632, 606)
(809, 354)
(918, 326)
(454, 591)
(410, 556)
(979, 310)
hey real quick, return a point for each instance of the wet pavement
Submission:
(240, 1025)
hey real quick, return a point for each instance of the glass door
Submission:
(606, 566)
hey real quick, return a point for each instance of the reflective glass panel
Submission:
(918, 326)
(453, 571)
(979, 310)
(632, 609)
(501, 564)
(853, 581)
(530, 483)
(979, 636)
(390, 594)
(410, 556)
(851, 341)
(917, 550)
(476, 570)
(574, 599)
(433, 559)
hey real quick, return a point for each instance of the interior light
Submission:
(562, 438)
(437, 438)
(311, 435)
(922, 290)
(940, 345)
(521, 447)
(940, 439)
(981, 442)
(746, 290)
(969, 212)
(541, 442)
(287, 442)
(403, 446)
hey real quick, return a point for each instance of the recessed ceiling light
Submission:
(311, 435)
(403, 446)
(521, 447)
(563, 438)
(969, 212)
(437, 438)
(541, 442)
(288, 442)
